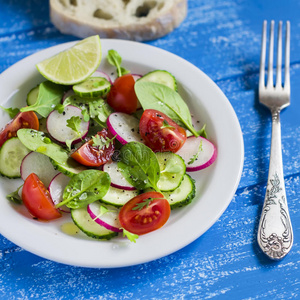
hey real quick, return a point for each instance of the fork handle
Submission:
(275, 234)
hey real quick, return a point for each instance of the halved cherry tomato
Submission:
(161, 133)
(121, 96)
(26, 119)
(37, 199)
(91, 155)
(145, 213)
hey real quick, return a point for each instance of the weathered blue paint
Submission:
(222, 38)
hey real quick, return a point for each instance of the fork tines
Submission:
(270, 83)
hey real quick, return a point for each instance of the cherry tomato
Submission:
(37, 199)
(121, 96)
(92, 155)
(161, 133)
(26, 119)
(145, 213)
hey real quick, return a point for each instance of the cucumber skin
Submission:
(107, 236)
(1, 149)
(59, 167)
(33, 93)
(183, 163)
(78, 89)
(150, 74)
(189, 198)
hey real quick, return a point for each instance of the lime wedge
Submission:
(73, 65)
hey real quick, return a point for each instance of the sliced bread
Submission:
(139, 20)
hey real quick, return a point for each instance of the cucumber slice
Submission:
(12, 153)
(92, 87)
(162, 77)
(172, 170)
(70, 167)
(86, 224)
(118, 197)
(32, 95)
(184, 194)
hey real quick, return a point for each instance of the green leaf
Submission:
(14, 196)
(37, 141)
(96, 109)
(139, 165)
(74, 123)
(202, 132)
(160, 97)
(11, 111)
(49, 97)
(143, 204)
(85, 188)
(101, 141)
(166, 125)
(131, 236)
(115, 59)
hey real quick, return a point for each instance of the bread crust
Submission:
(79, 20)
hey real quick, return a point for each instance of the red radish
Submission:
(125, 127)
(101, 74)
(136, 76)
(38, 163)
(198, 153)
(58, 129)
(56, 189)
(117, 179)
(108, 217)
(67, 94)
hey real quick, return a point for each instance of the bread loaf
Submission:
(138, 20)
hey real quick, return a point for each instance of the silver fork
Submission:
(275, 234)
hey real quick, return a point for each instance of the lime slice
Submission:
(92, 87)
(73, 65)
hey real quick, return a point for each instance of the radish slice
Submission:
(38, 163)
(56, 189)
(109, 218)
(125, 127)
(58, 129)
(67, 94)
(101, 74)
(205, 151)
(136, 76)
(117, 179)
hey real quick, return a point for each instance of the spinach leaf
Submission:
(202, 131)
(115, 59)
(139, 165)
(11, 111)
(85, 188)
(37, 141)
(49, 96)
(160, 97)
(14, 196)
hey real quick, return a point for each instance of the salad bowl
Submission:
(214, 187)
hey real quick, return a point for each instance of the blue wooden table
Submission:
(222, 38)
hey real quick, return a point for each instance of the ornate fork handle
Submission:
(275, 234)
